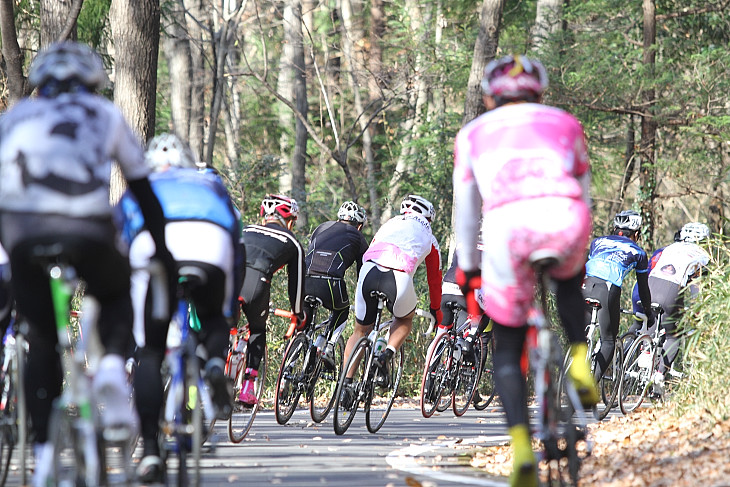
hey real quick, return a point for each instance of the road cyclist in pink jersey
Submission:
(522, 169)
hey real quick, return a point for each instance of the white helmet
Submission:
(627, 220)
(694, 232)
(67, 61)
(417, 204)
(167, 150)
(352, 212)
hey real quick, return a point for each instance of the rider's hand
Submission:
(470, 281)
(437, 314)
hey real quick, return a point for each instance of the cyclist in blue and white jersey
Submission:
(610, 260)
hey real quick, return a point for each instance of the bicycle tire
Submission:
(8, 419)
(292, 378)
(69, 455)
(240, 422)
(467, 380)
(609, 384)
(485, 390)
(323, 391)
(637, 372)
(435, 375)
(379, 401)
(345, 413)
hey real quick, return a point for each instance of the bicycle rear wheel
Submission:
(639, 365)
(435, 379)
(292, 378)
(325, 385)
(380, 400)
(346, 403)
(609, 383)
(242, 418)
(467, 380)
(485, 390)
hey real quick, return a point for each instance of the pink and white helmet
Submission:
(514, 77)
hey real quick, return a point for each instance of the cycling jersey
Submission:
(612, 257)
(56, 155)
(517, 152)
(333, 248)
(679, 261)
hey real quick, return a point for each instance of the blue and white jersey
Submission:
(612, 257)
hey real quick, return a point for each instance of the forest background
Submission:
(344, 99)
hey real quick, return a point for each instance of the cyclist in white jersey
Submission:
(56, 153)
(522, 168)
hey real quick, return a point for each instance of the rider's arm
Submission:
(433, 275)
(295, 268)
(642, 280)
(468, 203)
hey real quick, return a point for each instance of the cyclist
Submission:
(525, 166)
(55, 164)
(333, 248)
(202, 230)
(676, 268)
(396, 251)
(610, 259)
(269, 247)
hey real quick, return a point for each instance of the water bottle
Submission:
(319, 343)
(380, 345)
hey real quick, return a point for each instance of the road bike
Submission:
(376, 391)
(79, 443)
(310, 367)
(641, 365)
(448, 371)
(484, 395)
(561, 421)
(187, 403)
(13, 412)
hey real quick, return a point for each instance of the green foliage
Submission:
(92, 23)
(706, 361)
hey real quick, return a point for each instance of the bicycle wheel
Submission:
(639, 365)
(292, 377)
(380, 400)
(346, 407)
(242, 418)
(8, 420)
(485, 390)
(74, 450)
(435, 379)
(467, 380)
(609, 383)
(323, 392)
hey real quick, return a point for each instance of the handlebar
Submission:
(283, 313)
(431, 320)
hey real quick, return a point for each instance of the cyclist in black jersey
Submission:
(333, 248)
(269, 247)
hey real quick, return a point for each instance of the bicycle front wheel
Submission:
(609, 383)
(467, 380)
(325, 385)
(383, 391)
(242, 418)
(485, 389)
(639, 365)
(348, 396)
(8, 422)
(292, 378)
(435, 379)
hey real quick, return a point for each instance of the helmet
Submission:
(694, 232)
(627, 220)
(68, 61)
(417, 204)
(168, 150)
(279, 205)
(352, 212)
(514, 77)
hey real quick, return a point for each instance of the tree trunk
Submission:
(58, 20)
(176, 48)
(375, 85)
(299, 155)
(547, 21)
(13, 56)
(647, 148)
(285, 88)
(196, 19)
(485, 48)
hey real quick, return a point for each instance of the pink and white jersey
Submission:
(513, 153)
(679, 261)
(402, 243)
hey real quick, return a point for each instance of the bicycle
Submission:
(484, 395)
(79, 445)
(305, 370)
(13, 412)
(641, 363)
(187, 402)
(375, 391)
(561, 423)
(240, 422)
(448, 372)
